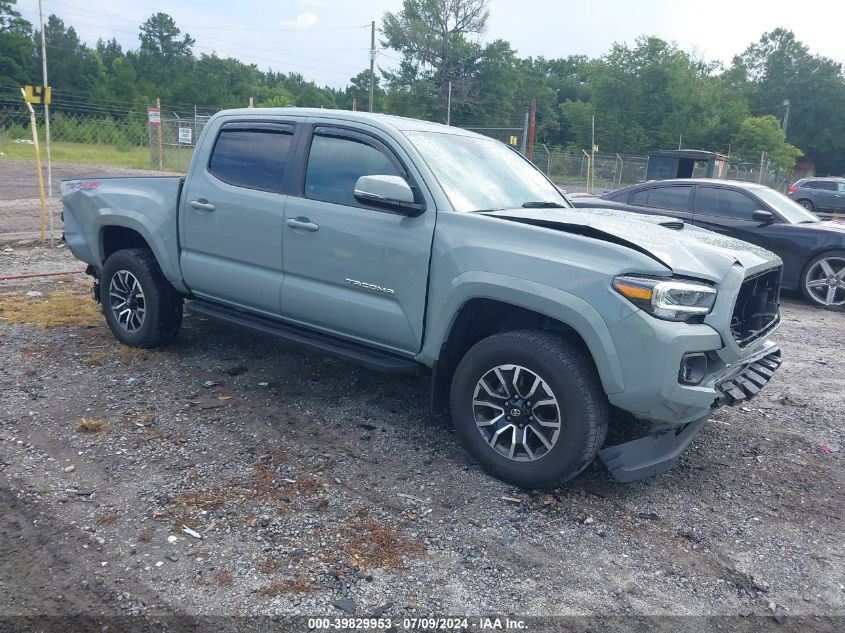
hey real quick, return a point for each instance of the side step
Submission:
(368, 357)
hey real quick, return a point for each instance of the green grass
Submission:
(99, 154)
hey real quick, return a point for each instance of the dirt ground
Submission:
(230, 474)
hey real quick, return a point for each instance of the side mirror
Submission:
(391, 192)
(766, 217)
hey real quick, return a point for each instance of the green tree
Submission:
(764, 134)
(16, 54)
(164, 54)
(433, 38)
(359, 89)
(778, 67)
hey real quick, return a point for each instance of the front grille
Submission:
(757, 308)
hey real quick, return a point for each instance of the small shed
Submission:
(686, 163)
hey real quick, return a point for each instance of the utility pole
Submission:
(785, 116)
(680, 140)
(372, 61)
(523, 146)
(592, 169)
(46, 123)
(532, 129)
(449, 104)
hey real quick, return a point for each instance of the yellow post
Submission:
(589, 171)
(160, 144)
(43, 213)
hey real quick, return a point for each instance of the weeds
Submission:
(280, 587)
(270, 566)
(107, 519)
(55, 309)
(87, 425)
(369, 544)
(220, 578)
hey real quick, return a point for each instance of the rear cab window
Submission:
(253, 155)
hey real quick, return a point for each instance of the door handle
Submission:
(302, 223)
(202, 205)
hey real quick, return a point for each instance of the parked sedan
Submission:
(820, 194)
(812, 250)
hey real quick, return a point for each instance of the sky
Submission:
(328, 40)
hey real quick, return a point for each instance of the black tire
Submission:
(807, 204)
(571, 376)
(811, 268)
(162, 304)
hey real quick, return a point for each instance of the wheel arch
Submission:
(117, 232)
(479, 317)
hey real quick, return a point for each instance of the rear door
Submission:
(232, 216)
(824, 195)
(352, 270)
(671, 200)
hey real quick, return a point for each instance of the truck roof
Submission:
(402, 124)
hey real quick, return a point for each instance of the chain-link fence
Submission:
(91, 145)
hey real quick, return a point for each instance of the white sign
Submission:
(185, 135)
(154, 115)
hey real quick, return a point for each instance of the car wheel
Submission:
(529, 407)
(807, 204)
(141, 307)
(823, 281)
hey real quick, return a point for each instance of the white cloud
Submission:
(314, 3)
(302, 21)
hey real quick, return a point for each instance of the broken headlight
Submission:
(669, 299)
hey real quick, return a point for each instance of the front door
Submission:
(354, 270)
(232, 216)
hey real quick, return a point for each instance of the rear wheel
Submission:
(141, 307)
(529, 407)
(823, 281)
(807, 204)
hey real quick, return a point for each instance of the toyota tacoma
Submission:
(409, 246)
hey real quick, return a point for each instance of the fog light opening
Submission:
(693, 368)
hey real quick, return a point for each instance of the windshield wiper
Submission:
(542, 204)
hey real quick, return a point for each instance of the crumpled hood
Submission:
(689, 251)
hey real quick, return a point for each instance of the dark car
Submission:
(820, 194)
(812, 250)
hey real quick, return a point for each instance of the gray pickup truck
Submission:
(415, 247)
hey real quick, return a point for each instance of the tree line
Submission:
(641, 97)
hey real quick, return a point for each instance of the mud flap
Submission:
(653, 454)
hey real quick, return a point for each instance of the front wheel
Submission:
(529, 407)
(823, 281)
(141, 307)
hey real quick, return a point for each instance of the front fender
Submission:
(551, 302)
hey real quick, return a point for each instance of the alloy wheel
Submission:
(516, 412)
(825, 281)
(127, 301)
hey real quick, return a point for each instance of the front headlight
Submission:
(669, 299)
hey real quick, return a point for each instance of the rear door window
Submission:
(252, 155)
(639, 198)
(675, 198)
(725, 203)
(824, 185)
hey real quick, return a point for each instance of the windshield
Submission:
(480, 174)
(788, 209)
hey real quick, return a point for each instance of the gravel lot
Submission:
(234, 475)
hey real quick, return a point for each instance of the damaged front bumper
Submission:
(658, 451)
